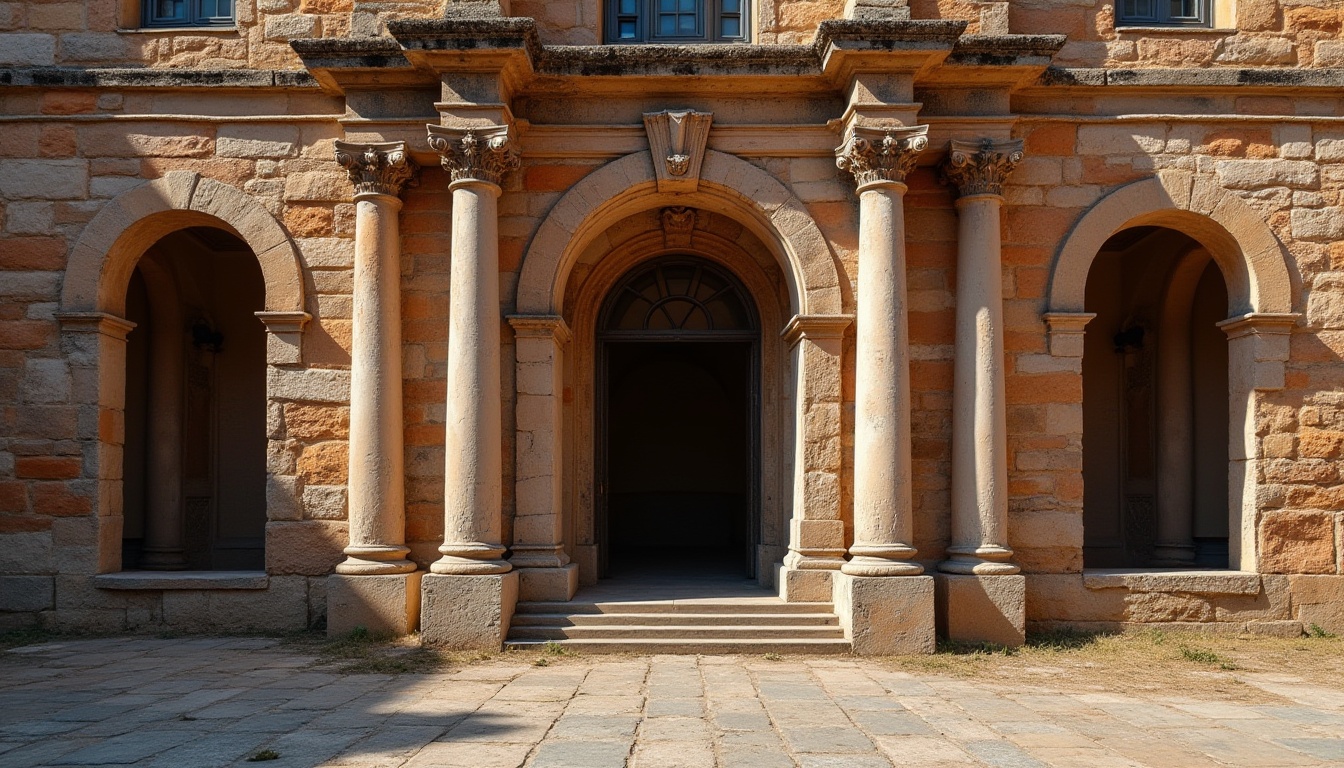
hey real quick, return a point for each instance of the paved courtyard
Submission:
(200, 702)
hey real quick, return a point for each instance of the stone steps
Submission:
(709, 626)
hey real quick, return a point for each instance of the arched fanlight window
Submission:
(678, 296)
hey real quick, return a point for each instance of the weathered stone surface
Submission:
(982, 609)
(319, 385)
(324, 502)
(305, 421)
(1318, 225)
(1063, 597)
(28, 50)
(194, 580)
(467, 612)
(44, 179)
(1193, 582)
(1259, 174)
(1150, 607)
(26, 593)
(1297, 542)
(282, 606)
(1319, 600)
(310, 547)
(256, 141)
(325, 463)
(885, 616)
(1242, 49)
(384, 605)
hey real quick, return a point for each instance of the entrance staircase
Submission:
(709, 625)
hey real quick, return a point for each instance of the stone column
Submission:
(362, 594)
(883, 615)
(972, 608)
(164, 522)
(545, 572)
(880, 159)
(979, 418)
(473, 551)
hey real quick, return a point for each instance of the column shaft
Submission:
(474, 469)
(377, 490)
(164, 525)
(979, 416)
(882, 497)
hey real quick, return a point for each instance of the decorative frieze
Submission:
(377, 169)
(981, 167)
(876, 155)
(677, 142)
(481, 154)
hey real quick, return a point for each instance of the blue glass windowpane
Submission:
(731, 6)
(627, 30)
(667, 6)
(169, 10)
(687, 6)
(208, 10)
(687, 24)
(1183, 9)
(629, 6)
(732, 27)
(667, 25)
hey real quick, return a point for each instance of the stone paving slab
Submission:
(214, 702)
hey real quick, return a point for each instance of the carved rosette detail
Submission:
(377, 169)
(481, 154)
(876, 155)
(981, 167)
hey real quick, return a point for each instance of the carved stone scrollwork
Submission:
(677, 142)
(482, 154)
(877, 155)
(678, 226)
(981, 167)
(377, 169)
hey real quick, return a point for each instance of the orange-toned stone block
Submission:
(317, 422)
(47, 467)
(1297, 542)
(324, 463)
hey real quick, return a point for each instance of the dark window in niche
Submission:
(187, 13)
(677, 21)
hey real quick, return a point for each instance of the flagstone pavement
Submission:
(202, 702)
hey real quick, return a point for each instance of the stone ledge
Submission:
(991, 50)
(99, 77)
(1202, 78)
(1192, 582)
(160, 580)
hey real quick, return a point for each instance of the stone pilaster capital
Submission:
(476, 154)
(981, 167)
(877, 155)
(95, 322)
(815, 327)
(540, 327)
(381, 168)
(284, 322)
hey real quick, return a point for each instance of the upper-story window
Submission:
(1183, 13)
(187, 13)
(677, 21)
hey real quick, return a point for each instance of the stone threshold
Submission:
(1160, 580)
(161, 580)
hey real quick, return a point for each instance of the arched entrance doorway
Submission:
(677, 419)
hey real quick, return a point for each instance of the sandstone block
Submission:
(1149, 607)
(282, 498)
(467, 612)
(316, 422)
(324, 502)
(1297, 542)
(386, 605)
(28, 50)
(800, 586)
(1285, 629)
(257, 141)
(1241, 49)
(1321, 225)
(310, 548)
(319, 385)
(317, 185)
(885, 616)
(1063, 597)
(1260, 174)
(291, 26)
(1329, 53)
(92, 48)
(26, 593)
(283, 606)
(558, 584)
(325, 463)
(43, 179)
(982, 609)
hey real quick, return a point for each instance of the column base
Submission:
(467, 612)
(886, 616)
(385, 605)
(982, 609)
(803, 586)
(375, 560)
(548, 584)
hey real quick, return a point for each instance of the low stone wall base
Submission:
(385, 605)
(799, 586)
(546, 584)
(886, 615)
(467, 612)
(982, 609)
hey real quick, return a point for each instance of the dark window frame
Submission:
(710, 16)
(1161, 15)
(194, 16)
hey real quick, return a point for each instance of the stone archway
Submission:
(1260, 308)
(728, 185)
(93, 305)
(102, 260)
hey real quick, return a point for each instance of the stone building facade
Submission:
(983, 316)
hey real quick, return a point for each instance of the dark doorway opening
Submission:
(677, 425)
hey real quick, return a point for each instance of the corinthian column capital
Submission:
(876, 155)
(981, 167)
(480, 154)
(376, 168)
